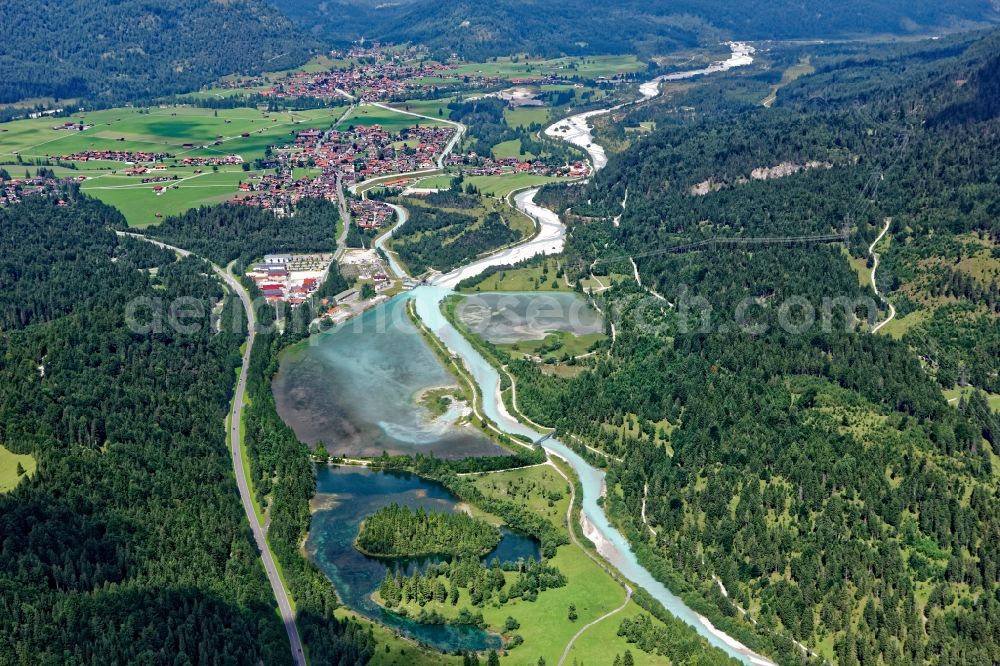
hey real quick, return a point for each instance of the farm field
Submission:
(526, 115)
(585, 67)
(140, 205)
(162, 130)
(511, 148)
(9, 477)
(503, 185)
(391, 121)
(428, 107)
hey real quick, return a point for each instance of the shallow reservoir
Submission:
(357, 389)
(509, 317)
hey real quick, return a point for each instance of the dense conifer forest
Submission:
(476, 30)
(442, 239)
(133, 50)
(129, 543)
(231, 231)
(398, 531)
(815, 473)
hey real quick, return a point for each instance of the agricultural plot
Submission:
(526, 116)
(585, 67)
(141, 206)
(181, 131)
(511, 148)
(428, 107)
(500, 186)
(390, 120)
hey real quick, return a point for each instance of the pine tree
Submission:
(321, 452)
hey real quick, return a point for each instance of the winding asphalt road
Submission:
(235, 419)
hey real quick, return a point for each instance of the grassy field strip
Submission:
(572, 536)
(9, 478)
(130, 186)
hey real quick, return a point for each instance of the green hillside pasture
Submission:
(139, 204)
(9, 477)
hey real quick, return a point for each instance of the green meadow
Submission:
(544, 623)
(392, 121)
(527, 115)
(429, 107)
(9, 478)
(522, 67)
(140, 205)
(537, 277)
(503, 185)
(510, 148)
(952, 395)
(163, 130)
(434, 182)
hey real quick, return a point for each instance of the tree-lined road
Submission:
(236, 446)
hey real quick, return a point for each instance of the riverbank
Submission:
(485, 382)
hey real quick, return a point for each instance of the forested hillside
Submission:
(479, 30)
(107, 52)
(232, 231)
(812, 470)
(129, 544)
